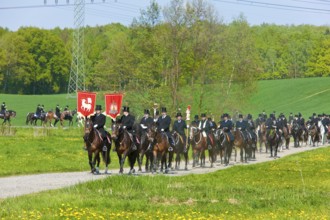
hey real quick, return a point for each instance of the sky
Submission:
(48, 15)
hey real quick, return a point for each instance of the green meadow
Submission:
(306, 95)
(293, 187)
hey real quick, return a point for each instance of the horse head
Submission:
(116, 128)
(88, 126)
(152, 132)
(193, 131)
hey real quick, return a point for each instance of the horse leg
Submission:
(170, 158)
(185, 154)
(165, 162)
(140, 159)
(90, 161)
(177, 161)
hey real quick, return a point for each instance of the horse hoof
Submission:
(186, 168)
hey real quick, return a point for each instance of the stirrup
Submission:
(104, 148)
(170, 148)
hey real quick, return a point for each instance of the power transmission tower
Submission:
(77, 72)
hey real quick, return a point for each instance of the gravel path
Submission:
(20, 185)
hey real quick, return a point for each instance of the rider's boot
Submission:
(105, 148)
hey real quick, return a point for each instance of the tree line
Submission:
(179, 50)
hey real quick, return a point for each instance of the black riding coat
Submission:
(164, 123)
(58, 112)
(128, 121)
(147, 121)
(204, 125)
(179, 127)
(99, 120)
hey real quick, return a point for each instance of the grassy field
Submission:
(306, 95)
(42, 150)
(294, 187)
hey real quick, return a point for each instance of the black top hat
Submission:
(240, 116)
(249, 116)
(98, 107)
(299, 114)
(226, 115)
(196, 117)
(178, 114)
(125, 109)
(146, 111)
(163, 109)
(314, 114)
(203, 115)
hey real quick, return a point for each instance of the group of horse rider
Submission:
(249, 128)
(41, 110)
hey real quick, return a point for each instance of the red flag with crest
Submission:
(113, 105)
(86, 103)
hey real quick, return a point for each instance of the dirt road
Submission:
(20, 185)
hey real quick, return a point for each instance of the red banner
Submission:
(86, 103)
(113, 105)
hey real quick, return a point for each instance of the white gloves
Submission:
(95, 126)
(188, 126)
(124, 127)
(162, 129)
(143, 126)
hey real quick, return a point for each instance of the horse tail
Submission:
(27, 118)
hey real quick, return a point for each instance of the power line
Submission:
(266, 5)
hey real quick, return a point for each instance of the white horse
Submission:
(322, 131)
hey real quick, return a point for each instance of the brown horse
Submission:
(286, 137)
(49, 117)
(67, 115)
(124, 146)
(94, 144)
(7, 115)
(220, 148)
(179, 150)
(315, 136)
(262, 137)
(240, 143)
(199, 145)
(160, 144)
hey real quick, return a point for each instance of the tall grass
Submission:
(271, 190)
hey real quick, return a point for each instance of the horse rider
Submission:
(57, 113)
(226, 125)
(146, 120)
(66, 108)
(251, 128)
(301, 122)
(179, 126)
(195, 121)
(3, 108)
(272, 123)
(291, 118)
(204, 126)
(325, 122)
(163, 125)
(213, 125)
(156, 116)
(99, 120)
(264, 115)
(259, 121)
(38, 111)
(127, 121)
(241, 125)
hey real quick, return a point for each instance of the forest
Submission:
(165, 51)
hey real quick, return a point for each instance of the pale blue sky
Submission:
(283, 12)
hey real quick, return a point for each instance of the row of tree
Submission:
(177, 50)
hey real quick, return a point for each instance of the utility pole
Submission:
(77, 72)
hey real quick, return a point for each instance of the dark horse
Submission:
(198, 143)
(32, 118)
(49, 117)
(298, 134)
(226, 144)
(160, 144)
(273, 141)
(67, 115)
(123, 146)
(179, 150)
(7, 115)
(143, 147)
(241, 144)
(94, 145)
